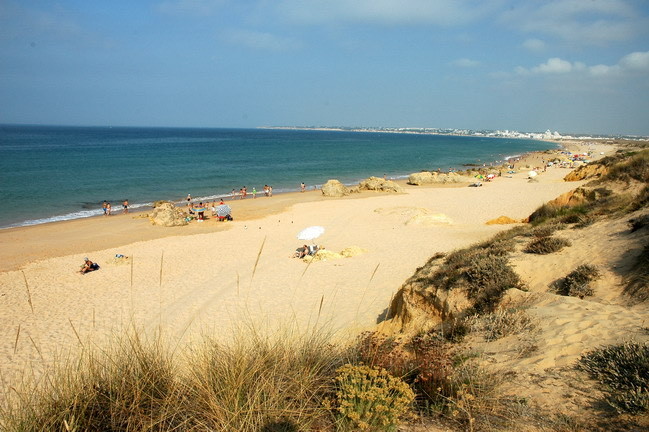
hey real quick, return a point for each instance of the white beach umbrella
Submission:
(310, 233)
(531, 174)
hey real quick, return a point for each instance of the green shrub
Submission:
(547, 245)
(488, 277)
(370, 399)
(577, 282)
(624, 372)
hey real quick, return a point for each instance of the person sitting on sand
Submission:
(88, 266)
(301, 252)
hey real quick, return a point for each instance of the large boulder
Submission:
(334, 188)
(379, 184)
(166, 214)
(427, 177)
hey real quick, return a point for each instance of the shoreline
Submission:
(89, 210)
(25, 244)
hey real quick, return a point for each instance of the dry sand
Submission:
(208, 277)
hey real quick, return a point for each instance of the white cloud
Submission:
(553, 65)
(592, 22)
(390, 12)
(629, 64)
(465, 63)
(534, 45)
(636, 61)
(261, 40)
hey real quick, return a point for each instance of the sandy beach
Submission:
(208, 277)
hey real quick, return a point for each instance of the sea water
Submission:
(60, 173)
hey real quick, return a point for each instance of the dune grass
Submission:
(284, 382)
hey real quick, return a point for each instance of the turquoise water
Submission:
(61, 173)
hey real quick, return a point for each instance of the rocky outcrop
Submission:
(166, 214)
(502, 220)
(585, 172)
(379, 184)
(334, 188)
(427, 177)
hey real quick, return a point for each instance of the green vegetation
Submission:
(623, 370)
(483, 270)
(369, 399)
(577, 282)
(638, 282)
(547, 245)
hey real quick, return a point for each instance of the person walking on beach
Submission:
(254, 192)
(270, 191)
(104, 206)
(189, 197)
(108, 209)
(125, 204)
(302, 187)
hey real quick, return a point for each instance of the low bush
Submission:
(637, 284)
(639, 223)
(641, 200)
(379, 350)
(577, 282)
(547, 245)
(635, 168)
(623, 370)
(501, 323)
(369, 399)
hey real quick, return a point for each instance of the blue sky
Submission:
(575, 66)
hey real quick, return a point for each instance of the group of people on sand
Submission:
(108, 208)
(243, 192)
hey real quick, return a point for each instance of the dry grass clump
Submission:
(369, 399)
(634, 168)
(551, 212)
(545, 230)
(258, 381)
(623, 370)
(255, 383)
(638, 282)
(501, 323)
(547, 245)
(134, 386)
(577, 282)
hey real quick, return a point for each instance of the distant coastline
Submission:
(486, 133)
